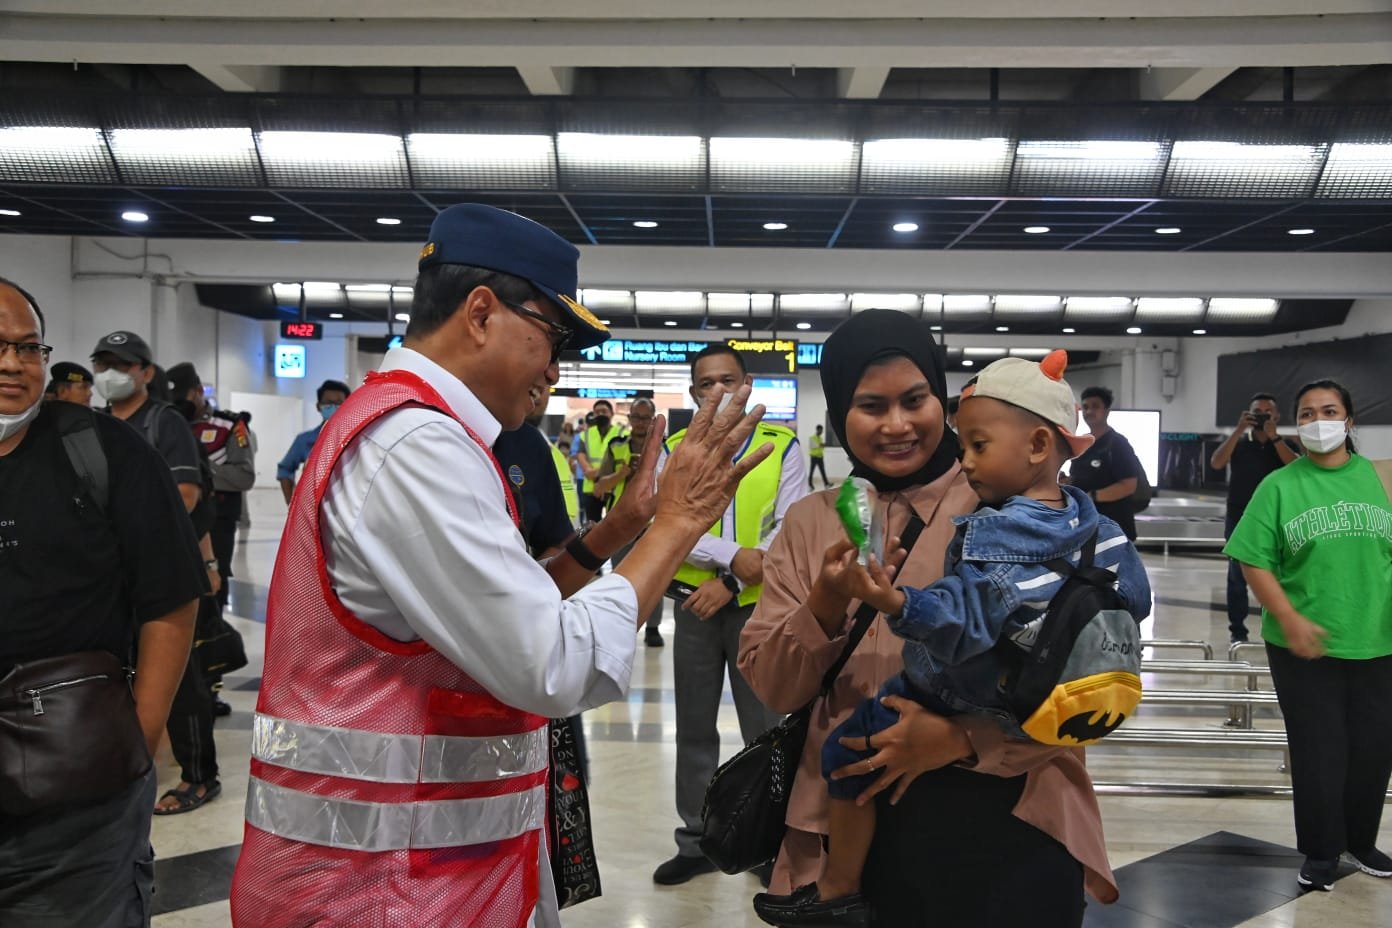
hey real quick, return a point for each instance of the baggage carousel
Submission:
(1174, 517)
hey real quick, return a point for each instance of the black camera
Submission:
(1260, 419)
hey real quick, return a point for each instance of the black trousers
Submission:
(951, 855)
(190, 724)
(223, 535)
(1339, 727)
(817, 464)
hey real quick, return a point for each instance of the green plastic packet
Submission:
(855, 504)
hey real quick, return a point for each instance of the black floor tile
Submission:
(194, 879)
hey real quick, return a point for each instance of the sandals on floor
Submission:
(188, 799)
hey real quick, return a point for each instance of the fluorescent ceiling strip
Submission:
(1098, 308)
(1029, 352)
(738, 303)
(1012, 304)
(901, 301)
(477, 148)
(1099, 150)
(368, 288)
(783, 154)
(182, 143)
(1238, 153)
(812, 302)
(1238, 309)
(1169, 309)
(46, 139)
(964, 153)
(606, 299)
(630, 150)
(680, 301)
(984, 352)
(957, 304)
(358, 148)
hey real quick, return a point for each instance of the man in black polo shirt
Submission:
(124, 372)
(1253, 450)
(75, 578)
(1109, 471)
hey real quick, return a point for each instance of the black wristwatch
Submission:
(577, 549)
(730, 581)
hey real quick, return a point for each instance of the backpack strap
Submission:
(78, 429)
(1063, 568)
(866, 613)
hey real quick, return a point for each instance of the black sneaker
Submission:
(221, 709)
(653, 638)
(804, 906)
(679, 869)
(1372, 862)
(1317, 875)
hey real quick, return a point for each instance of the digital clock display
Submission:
(302, 331)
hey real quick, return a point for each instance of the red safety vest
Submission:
(387, 787)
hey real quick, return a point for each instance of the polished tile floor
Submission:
(1194, 862)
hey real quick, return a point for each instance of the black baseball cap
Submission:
(66, 372)
(495, 239)
(125, 345)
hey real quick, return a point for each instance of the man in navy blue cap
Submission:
(414, 651)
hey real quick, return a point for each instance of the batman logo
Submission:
(1082, 728)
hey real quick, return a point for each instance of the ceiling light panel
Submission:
(333, 159)
(1232, 169)
(671, 302)
(1013, 306)
(1169, 309)
(54, 154)
(739, 304)
(1033, 353)
(984, 352)
(619, 300)
(955, 166)
(1098, 308)
(777, 165)
(1118, 168)
(1243, 310)
(820, 304)
(963, 307)
(905, 302)
(453, 160)
(1357, 171)
(203, 157)
(592, 160)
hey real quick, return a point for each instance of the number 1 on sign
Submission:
(792, 361)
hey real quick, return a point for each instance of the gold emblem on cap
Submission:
(427, 251)
(585, 315)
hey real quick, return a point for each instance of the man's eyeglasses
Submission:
(28, 352)
(558, 334)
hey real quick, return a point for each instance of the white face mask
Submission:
(113, 384)
(1323, 435)
(11, 424)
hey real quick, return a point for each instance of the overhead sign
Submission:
(629, 351)
(290, 360)
(809, 354)
(302, 331)
(601, 393)
(767, 355)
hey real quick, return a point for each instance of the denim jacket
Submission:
(996, 585)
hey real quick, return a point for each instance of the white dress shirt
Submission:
(419, 544)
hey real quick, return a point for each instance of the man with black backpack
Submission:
(124, 370)
(96, 554)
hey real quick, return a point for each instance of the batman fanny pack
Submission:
(1079, 677)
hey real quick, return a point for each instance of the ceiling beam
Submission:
(545, 81)
(863, 83)
(1181, 83)
(241, 78)
(1234, 41)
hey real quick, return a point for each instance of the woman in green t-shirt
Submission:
(1315, 545)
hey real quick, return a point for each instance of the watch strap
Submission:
(586, 558)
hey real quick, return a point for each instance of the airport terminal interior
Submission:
(1194, 200)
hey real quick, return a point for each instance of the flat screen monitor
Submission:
(779, 396)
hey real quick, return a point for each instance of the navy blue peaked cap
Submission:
(487, 237)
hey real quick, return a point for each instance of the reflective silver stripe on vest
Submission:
(381, 826)
(388, 758)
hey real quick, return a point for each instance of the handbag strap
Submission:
(866, 613)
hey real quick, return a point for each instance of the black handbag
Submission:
(217, 646)
(68, 733)
(744, 816)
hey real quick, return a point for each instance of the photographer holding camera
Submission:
(1253, 450)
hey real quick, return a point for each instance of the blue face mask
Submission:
(328, 410)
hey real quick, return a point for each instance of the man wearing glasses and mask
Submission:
(414, 649)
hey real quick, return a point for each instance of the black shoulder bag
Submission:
(744, 816)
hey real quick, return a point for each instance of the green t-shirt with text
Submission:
(1327, 536)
